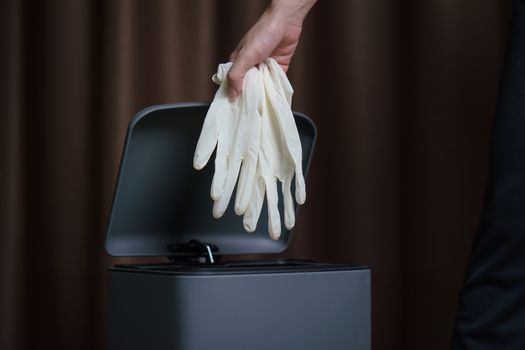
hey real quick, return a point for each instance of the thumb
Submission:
(245, 60)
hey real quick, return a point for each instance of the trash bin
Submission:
(198, 300)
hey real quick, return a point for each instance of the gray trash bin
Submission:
(162, 207)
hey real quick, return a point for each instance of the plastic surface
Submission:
(160, 200)
(277, 311)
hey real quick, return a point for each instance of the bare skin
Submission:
(276, 35)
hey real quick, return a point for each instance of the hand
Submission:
(276, 35)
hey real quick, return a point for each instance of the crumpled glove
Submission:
(280, 154)
(233, 127)
(257, 134)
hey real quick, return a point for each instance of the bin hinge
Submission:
(194, 247)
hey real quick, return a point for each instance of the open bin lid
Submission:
(160, 200)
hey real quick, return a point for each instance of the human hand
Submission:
(276, 35)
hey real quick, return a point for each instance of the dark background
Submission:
(403, 94)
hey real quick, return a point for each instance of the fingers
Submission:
(221, 159)
(286, 120)
(252, 117)
(220, 204)
(274, 219)
(300, 188)
(245, 59)
(251, 216)
(208, 137)
(205, 146)
(220, 175)
(245, 186)
(289, 208)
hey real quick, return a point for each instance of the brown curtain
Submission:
(403, 94)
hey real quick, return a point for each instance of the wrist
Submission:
(292, 12)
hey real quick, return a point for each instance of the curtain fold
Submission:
(402, 93)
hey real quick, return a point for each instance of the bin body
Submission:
(306, 310)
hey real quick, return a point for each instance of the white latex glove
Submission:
(234, 128)
(280, 154)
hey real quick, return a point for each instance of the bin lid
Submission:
(161, 201)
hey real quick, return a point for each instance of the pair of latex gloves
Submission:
(257, 145)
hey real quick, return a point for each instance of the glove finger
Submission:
(245, 185)
(292, 142)
(286, 122)
(251, 118)
(223, 146)
(285, 119)
(300, 187)
(220, 175)
(289, 208)
(221, 204)
(210, 133)
(207, 139)
(222, 72)
(253, 212)
(274, 219)
(210, 130)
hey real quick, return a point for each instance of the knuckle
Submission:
(234, 75)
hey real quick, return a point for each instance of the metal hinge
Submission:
(194, 247)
